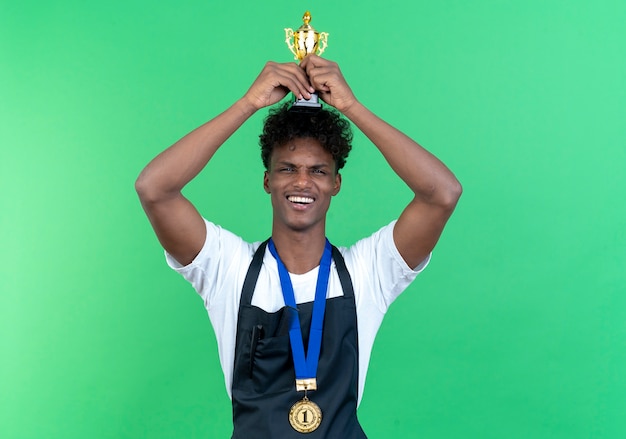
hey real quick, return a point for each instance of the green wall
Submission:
(516, 330)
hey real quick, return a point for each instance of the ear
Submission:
(337, 184)
(266, 182)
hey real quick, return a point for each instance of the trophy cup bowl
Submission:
(301, 43)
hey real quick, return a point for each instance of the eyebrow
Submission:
(315, 166)
(319, 166)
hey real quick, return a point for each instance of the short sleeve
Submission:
(381, 267)
(210, 267)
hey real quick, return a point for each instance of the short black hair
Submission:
(327, 126)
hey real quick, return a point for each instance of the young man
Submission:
(295, 319)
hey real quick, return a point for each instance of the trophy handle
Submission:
(289, 41)
(323, 42)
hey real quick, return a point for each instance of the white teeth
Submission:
(303, 200)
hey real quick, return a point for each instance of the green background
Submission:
(516, 330)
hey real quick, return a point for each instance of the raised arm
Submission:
(436, 189)
(176, 222)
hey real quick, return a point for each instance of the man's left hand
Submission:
(327, 79)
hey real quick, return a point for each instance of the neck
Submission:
(300, 252)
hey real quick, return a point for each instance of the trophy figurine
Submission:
(303, 42)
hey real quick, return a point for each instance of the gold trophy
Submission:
(303, 42)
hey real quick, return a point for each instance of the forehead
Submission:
(307, 151)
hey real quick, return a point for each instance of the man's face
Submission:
(301, 181)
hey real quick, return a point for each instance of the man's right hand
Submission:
(275, 81)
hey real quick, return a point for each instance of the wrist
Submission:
(245, 107)
(353, 109)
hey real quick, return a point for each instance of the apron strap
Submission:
(253, 274)
(257, 261)
(344, 275)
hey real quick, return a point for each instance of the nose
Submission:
(302, 179)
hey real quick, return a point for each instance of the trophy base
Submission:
(307, 105)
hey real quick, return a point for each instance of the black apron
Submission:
(264, 378)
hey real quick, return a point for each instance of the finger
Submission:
(314, 60)
(301, 77)
(298, 86)
(324, 75)
(290, 76)
(306, 61)
(323, 78)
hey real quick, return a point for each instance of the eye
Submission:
(318, 171)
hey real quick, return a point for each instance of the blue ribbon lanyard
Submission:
(305, 366)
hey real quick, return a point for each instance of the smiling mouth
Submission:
(300, 200)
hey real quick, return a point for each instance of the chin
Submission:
(301, 226)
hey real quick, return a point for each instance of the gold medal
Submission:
(305, 416)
